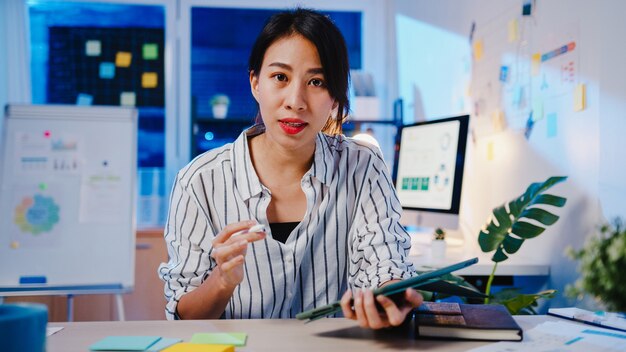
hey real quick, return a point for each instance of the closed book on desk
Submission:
(466, 322)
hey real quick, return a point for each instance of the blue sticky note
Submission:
(551, 120)
(504, 73)
(124, 343)
(84, 99)
(162, 344)
(107, 70)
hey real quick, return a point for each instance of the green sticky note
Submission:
(124, 343)
(150, 51)
(221, 338)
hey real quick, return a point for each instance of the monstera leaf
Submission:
(509, 226)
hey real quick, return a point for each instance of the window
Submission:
(221, 40)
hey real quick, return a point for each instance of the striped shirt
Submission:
(350, 235)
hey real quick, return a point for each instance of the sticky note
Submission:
(150, 51)
(535, 64)
(149, 80)
(478, 50)
(221, 338)
(551, 124)
(498, 120)
(199, 347)
(527, 8)
(162, 344)
(579, 97)
(504, 74)
(513, 30)
(123, 59)
(127, 99)
(107, 70)
(538, 110)
(124, 343)
(490, 151)
(93, 48)
(84, 99)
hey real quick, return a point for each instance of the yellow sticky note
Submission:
(579, 97)
(123, 59)
(199, 347)
(490, 151)
(513, 30)
(149, 80)
(498, 120)
(535, 64)
(128, 99)
(478, 50)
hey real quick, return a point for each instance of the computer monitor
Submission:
(428, 171)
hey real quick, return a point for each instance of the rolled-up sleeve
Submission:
(380, 244)
(188, 236)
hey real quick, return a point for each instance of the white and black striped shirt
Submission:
(350, 235)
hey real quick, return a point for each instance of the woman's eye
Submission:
(317, 82)
(280, 77)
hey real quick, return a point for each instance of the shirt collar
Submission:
(248, 182)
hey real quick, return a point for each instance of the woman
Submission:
(327, 200)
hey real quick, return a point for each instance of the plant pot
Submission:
(438, 249)
(220, 111)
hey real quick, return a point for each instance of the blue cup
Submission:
(23, 327)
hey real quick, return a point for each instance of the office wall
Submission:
(584, 145)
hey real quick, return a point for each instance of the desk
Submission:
(333, 334)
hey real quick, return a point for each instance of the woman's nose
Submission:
(295, 99)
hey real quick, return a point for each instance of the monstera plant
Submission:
(512, 223)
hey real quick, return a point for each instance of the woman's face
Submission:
(291, 91)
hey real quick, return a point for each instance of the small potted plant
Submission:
(438, 244)
(603, 267)
(219, 104)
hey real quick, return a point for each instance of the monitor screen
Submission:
(429, 162)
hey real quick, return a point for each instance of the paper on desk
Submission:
(52, 331)
(221, 338)
(562, 336)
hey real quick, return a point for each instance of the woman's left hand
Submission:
(369, 315)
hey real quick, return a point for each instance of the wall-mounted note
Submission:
(513, 30)
(535, 64)
(150, 51)
(580, 97)
(93, 48)
(490, 150)
(149, 80)
(123, 59)
(478, 50)
(551, 125)
(127, 99)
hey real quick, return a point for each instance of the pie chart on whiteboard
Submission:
(36, 214)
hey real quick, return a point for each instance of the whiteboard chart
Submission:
(67, 199)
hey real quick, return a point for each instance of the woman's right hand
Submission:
(229, 252)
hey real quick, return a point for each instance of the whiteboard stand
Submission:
(76, 166)
(120, 307)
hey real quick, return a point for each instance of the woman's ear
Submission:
(254, 85)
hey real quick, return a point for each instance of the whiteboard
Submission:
(67, 196)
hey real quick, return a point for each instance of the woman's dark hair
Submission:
(331, 47)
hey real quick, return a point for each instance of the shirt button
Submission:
(289, 260)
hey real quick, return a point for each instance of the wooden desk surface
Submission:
(326, 335)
